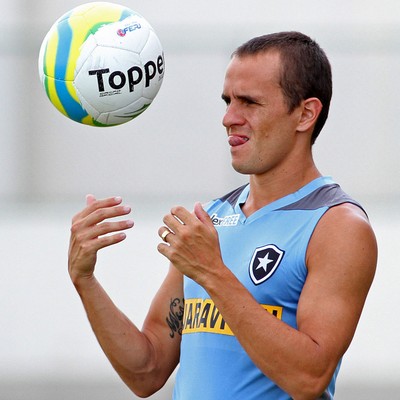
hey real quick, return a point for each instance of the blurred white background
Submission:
(176, 152)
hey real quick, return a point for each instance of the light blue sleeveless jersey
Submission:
(266, 252)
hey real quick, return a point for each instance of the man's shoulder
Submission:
(345, 223)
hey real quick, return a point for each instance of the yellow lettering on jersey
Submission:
(201, 315)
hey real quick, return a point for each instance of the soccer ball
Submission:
(101, 64)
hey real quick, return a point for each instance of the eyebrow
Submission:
(225, 98)
(244, 98)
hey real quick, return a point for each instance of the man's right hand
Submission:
(92, 230)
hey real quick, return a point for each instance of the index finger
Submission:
(92, 205)
(182, 215)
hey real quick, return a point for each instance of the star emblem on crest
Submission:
(264, 262)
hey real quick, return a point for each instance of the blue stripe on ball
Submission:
(73, 109)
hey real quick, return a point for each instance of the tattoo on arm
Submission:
(175, 316)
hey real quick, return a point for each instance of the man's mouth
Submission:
(236, 140)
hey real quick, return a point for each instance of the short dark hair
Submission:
(306, 71)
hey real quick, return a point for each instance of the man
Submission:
(266, 284)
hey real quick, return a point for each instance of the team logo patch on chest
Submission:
(264, 262)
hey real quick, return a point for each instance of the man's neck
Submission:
(265, 189)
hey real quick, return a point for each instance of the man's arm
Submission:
(145, 358)
(341, 262)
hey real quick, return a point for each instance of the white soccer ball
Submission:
(101, 64)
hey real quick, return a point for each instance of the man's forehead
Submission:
(269, 58)
(250, 68)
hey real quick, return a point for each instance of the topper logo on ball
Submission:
(118, 79)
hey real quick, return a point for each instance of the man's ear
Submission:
(311, 109)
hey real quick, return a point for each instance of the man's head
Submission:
(305, 71)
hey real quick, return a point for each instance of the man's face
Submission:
(261, 132)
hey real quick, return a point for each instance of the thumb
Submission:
(202, 215)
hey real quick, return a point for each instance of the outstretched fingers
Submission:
(93, 229)
(93, 205)
(98, 211)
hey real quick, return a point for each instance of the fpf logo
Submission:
(130, 28)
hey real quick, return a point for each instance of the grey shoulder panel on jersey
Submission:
(326, 196)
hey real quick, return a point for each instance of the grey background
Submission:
(176, 152)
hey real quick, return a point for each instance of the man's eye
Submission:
(248, 101)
